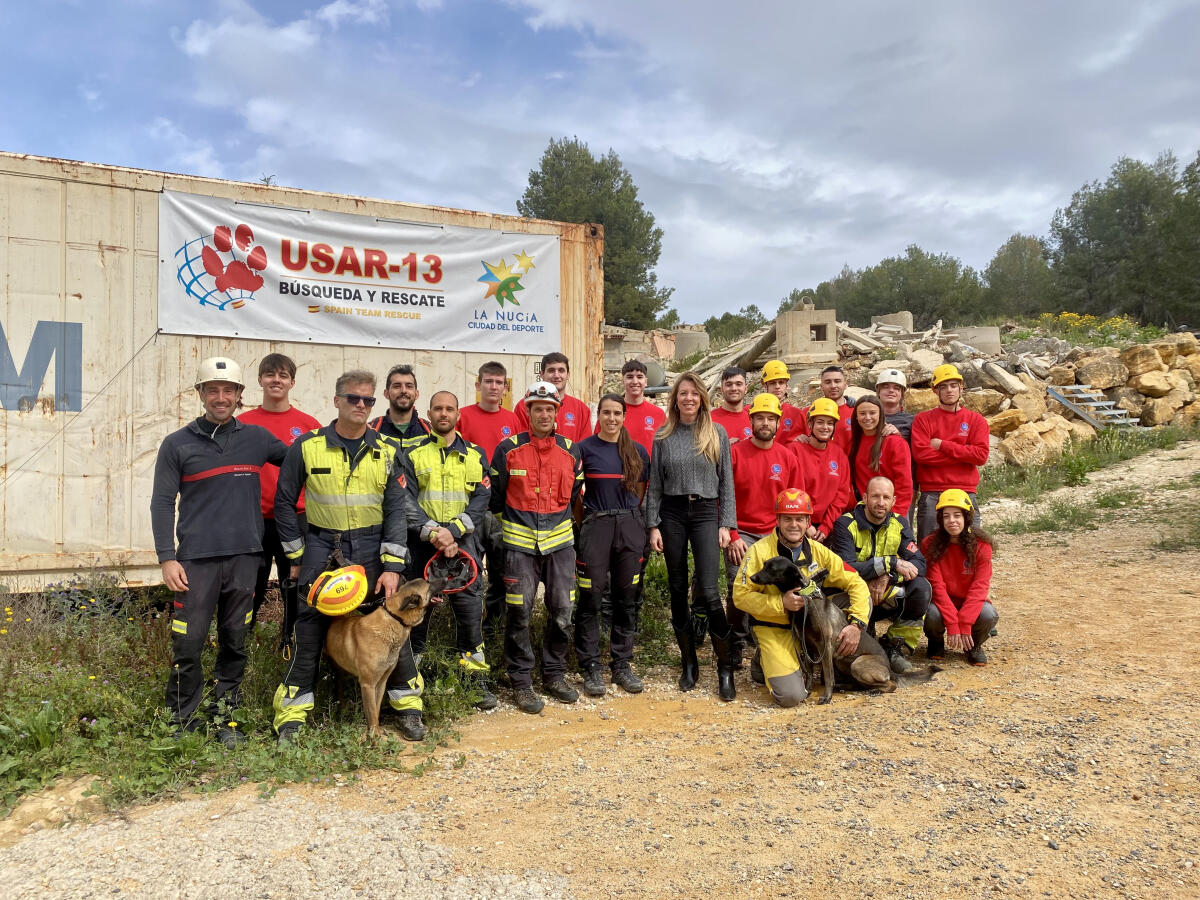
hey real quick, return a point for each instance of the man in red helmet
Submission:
(769, 608)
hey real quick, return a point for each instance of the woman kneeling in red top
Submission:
(959, 560)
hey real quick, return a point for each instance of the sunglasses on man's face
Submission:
(355, 399)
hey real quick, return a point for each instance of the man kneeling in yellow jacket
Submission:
(769, 608)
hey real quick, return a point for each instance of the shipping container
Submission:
(91, 381)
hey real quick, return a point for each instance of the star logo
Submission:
(504, 282)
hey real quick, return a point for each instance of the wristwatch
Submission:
(857, 624)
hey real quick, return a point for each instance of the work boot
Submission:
(229, 737)
(686, 638)
(560, 690)
(289, 732)
(528, 701)
(593, 681)
(898, 657)
(410, 725)
(936, 648)
(976, 656)
(623, 677)
(756, 672)
(726, 689)
(487, 700)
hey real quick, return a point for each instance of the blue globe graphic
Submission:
(196, 280)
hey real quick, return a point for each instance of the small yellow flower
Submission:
(3, 631)
(91, 599)
(91, 678)
(28, 619)
(233, 724)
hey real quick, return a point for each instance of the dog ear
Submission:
(411, 600)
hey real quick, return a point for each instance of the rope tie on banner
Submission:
(10, 475)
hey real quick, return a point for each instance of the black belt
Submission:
(366, 530)
(754, 621)
(588, 514)
(691, 498)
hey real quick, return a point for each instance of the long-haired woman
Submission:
(691, 502)
(876, 452)
(611, 542)
(958, 559)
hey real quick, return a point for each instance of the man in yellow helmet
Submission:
(356, 501)
(776, 379)
(768, 608)
(949, 444)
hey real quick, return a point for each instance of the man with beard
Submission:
(401, 423)
(449, 490)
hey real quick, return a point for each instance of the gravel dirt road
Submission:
(1068, 767)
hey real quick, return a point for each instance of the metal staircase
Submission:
(1091, 405)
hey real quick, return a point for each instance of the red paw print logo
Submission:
(237, 274)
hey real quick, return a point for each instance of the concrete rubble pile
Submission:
(1155, 382)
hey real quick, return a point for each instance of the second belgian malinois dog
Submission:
(816, 628)
(367, 646)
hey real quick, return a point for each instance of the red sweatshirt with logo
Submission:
(287, 426)
(487, 429)
(826, 476)
(736, 424)
(959, 590)
(841, 432)
(895, 463)
(964, 448)
(758, 477)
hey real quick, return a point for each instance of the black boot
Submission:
(726, 689)
(687, 653)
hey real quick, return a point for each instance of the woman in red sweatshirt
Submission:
(959, 567)
(874, 453)
(824, 470)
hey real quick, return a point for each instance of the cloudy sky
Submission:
(773, 141)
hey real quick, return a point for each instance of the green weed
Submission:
(1117, 498)
(1060, 515)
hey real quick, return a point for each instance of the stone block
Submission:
(1167, 349)
(1008, 420)
(985, 402)
(1101, 372)
(1151, 384)
(1081, 432)
(1126, 398)
(1064, 374)
(1142, 358)
(1188, 416)
(1024, 447)
(984, 338)
(1157, 411)
(919, 399)
(1033, 406)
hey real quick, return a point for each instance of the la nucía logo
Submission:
(503, 282)
(221, 269)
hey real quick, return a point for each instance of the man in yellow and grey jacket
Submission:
(879, 544)
(449, 490)
(768, 608)
(356, 501)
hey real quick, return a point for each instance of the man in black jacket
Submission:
(212, 466)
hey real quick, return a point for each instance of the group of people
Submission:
(539, 496)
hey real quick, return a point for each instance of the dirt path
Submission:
(1068, 767)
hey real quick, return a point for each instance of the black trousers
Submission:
(609, 558)
(739, 622)
(467, 605)
(492, 548)
(935, 625)
(272, 552)
(523, 571)
(687, 522)
(220, 585)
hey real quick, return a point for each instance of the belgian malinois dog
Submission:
(367, 646)
(816, 628)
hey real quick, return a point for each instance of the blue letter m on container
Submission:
(62, 341)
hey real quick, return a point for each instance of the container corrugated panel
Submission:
(79, 243)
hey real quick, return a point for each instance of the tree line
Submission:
(1129, 245)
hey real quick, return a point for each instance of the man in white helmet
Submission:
(890, 386)
(212, 466)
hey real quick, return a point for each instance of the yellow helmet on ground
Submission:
(946, 372)
(774, 371)
(340, 591)
(823, 406)
(765, 403)
(954, 497)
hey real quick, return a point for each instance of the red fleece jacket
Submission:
(894, 463)
(827, 480)
(955, 464)
(758, 477)
(959, 591)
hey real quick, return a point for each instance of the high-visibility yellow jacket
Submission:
(364, 498)
(449, 485)
(765, 602)
(873, 549)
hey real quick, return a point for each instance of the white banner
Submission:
(237, 269)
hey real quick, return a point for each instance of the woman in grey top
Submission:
(690, 501)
